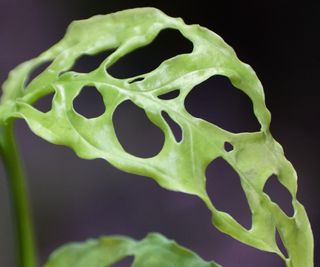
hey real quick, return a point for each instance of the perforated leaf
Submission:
(180, 166)
(153, 251)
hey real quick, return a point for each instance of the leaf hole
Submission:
(139, 79)
(36, 72)
(279, 194)
(126, 262)
(137, 134)
(167, 44)
(216, 100)
(44, 104)
(89, 103)
(175, 127)
(225, 190)
(228, 147)
(87, 63)
(170, 95)
(280, 244)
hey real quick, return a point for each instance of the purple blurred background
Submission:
(74, 199)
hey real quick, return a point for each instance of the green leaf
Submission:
(153, 251)
(180, 166)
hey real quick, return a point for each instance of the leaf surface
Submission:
(153, 251)
(179, 166)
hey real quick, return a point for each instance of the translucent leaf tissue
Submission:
(181, 164)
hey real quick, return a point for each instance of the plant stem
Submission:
(27, 256)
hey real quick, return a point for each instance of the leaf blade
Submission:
(153, 251)
(179, 167)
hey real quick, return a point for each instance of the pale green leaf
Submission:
(179, 166)
(153, 251)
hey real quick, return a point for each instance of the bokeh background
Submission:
(74, 199)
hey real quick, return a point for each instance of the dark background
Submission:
(74, 199)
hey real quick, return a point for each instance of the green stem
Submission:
(17, 186)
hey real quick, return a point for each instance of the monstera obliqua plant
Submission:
(179, 166)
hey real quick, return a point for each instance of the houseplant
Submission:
(180, 165)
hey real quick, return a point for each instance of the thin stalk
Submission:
(27, 256)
